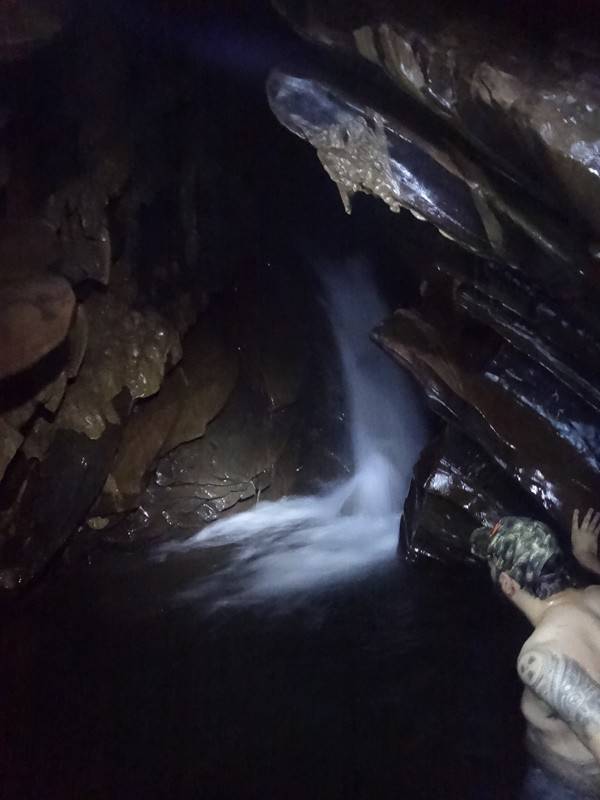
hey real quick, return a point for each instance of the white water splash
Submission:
(299, 542)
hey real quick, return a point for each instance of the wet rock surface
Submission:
(399, 158)
(527, 104)
(505, 337)
(543, 435)
(145, 387)
(457, 487)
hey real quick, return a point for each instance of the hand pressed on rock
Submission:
(584, 538)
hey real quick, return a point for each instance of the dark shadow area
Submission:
(399, 685)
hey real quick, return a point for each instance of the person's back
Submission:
(559, 664)
(569, 631)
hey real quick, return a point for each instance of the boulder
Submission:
(526, 333)
(128, 349)
(35, 317)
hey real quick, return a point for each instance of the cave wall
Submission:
(157, 367)
(485, 126)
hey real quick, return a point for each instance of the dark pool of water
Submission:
(398, 684)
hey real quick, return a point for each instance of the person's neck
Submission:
(534, 608)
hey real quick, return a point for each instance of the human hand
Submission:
(584, 535)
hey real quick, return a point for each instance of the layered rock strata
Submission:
(500, 156)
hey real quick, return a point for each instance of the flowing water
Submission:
(298, 542)
(171, 677)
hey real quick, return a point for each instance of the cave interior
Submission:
(175, 177)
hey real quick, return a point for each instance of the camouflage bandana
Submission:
(525, 549)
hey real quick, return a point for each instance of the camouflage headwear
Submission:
(525, 549)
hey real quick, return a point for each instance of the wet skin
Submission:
(560, 667)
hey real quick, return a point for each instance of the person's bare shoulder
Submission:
(591, 595)
(560, 623)
(544, 635)
(590, 603)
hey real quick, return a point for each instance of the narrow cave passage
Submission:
(206, 447)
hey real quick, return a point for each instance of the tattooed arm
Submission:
(567, 688)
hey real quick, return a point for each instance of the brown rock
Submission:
(48, 384)
(244, 441)
(198, 481)
(127, 349)
(143, 437)
(541, 433)
(191, 396)
(35, 317)
(209, 370)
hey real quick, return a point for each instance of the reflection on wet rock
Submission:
(394, 155)
(540, 432)
(457, 486)
(528, 105)
(232, 460)
(130, 350)
(191, 396)
(491, 137)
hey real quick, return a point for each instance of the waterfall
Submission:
(297, 543)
